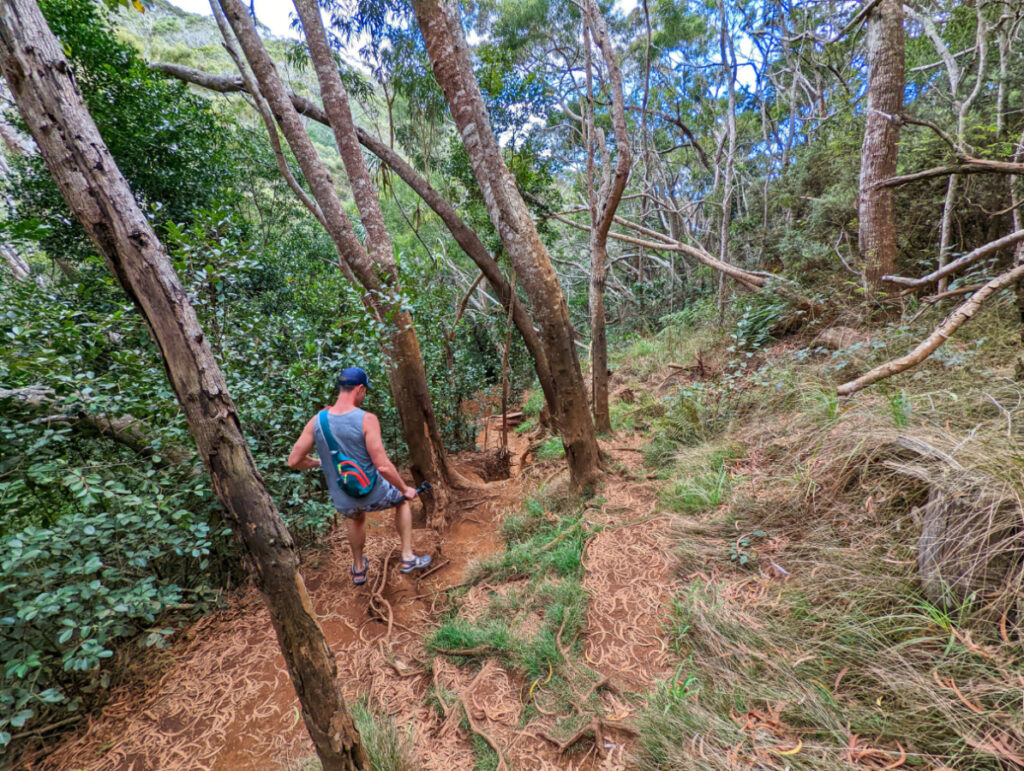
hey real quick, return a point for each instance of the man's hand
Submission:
(308, 462)
(409, 493)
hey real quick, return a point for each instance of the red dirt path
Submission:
(227, 702)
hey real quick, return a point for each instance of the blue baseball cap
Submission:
(351, 377)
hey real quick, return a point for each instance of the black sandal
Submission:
(359, 576)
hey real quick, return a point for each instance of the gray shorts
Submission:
(384, 496)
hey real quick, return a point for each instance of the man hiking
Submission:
(359, 475)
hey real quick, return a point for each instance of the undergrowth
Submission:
(544, 546)
(388, 747)
(534, 615)
(859, 598)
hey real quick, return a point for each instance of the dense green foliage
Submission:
(105, 542)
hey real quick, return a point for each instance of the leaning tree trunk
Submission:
(40, 79)
(885, 56)
(407, 375)
(449, 56)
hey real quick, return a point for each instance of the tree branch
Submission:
(941, 334)
(123, 429)
(953, 267)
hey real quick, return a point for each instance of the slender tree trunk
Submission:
(1016, 201)
(40, 78)
(885, 57)
(604, 202)
(464, 236)
(449, 56)
(406, 374)
(15, 143)
(729, 63)
(946, 226)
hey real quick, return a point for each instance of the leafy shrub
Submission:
(69, 592)
(762, 314)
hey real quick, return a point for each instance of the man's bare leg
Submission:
(356, 539)
(403, 526)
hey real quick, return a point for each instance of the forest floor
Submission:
(224, 699)
(746, 591)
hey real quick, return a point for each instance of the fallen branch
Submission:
(941, 334)
(934, 298)
(751, 281)
(968, 166)
(962, 262)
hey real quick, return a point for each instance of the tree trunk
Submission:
(377, 274)
(449, 56)
(40, 78)
(885, 57)
(729, 63)
(603, 205)
(406, 374)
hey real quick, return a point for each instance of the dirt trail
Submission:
(227, 702)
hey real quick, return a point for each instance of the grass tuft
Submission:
(880, 617)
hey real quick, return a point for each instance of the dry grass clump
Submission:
(880, 620)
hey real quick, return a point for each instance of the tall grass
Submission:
(883, 622)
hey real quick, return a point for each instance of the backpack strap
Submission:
(325, 429)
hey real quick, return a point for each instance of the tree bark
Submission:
(449, 56)
(464, 236)
(377, 273)
(40, 79)
(603, 206)
(885, 58)
(407, 375)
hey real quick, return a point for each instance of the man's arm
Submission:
(375, 446)
(301, 457)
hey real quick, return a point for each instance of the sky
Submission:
(273, 13)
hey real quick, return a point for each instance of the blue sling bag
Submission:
(352, 477)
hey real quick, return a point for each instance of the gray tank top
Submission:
(348, 433)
